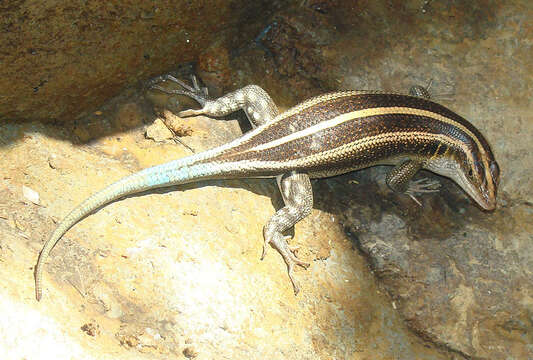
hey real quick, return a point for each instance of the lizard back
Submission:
(343, 131)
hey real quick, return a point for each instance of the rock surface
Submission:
(458, 277)
(158, 131)
(62, 59)
(175, 273)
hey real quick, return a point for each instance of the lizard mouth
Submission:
(485, 200)
(490, 203)
(481, 196)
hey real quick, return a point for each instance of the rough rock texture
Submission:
(60, 59)
(459, 277)
(175, 274)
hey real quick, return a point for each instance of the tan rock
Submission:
(158, 131)
(149, 280)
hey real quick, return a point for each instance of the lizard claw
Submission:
(279, 242)
(200, 94)
(415, 199)
(267, 241)
(422, 186)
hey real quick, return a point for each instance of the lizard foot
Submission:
(279, 242)
(423, 92)
(195, 92)
(422, 186)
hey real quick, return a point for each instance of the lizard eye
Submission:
(495, 171)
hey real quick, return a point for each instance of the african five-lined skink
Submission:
(327, 135)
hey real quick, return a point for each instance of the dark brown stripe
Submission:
(329, 109)
(354, 130)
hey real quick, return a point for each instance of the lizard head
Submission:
(475, 170)
(479, 178)
(472, 166)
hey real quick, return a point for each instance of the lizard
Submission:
(324, 136)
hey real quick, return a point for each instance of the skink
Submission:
(324, 136)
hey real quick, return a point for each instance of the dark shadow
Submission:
(283, 49)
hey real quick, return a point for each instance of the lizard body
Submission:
(324, 136)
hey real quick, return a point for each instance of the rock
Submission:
(82, 133)
(91, 329)
(149, 280)
(128, 116)
(68, 70)
(190, 353)
(158, 131)
(30, 195)
(213, 68)
(457, 277)
(176, 124)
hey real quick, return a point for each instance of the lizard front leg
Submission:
(399, 180)
(298, 197)
(253, 100)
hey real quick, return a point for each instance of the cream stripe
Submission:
(294, 110)
(354, 146)
(315, 128)
(323, 98)
(382, 138)
(358, 114)
(449, 121)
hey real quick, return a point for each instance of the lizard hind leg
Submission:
(253, 100)
(298, 197)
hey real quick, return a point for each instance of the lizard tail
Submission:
(172, 173)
